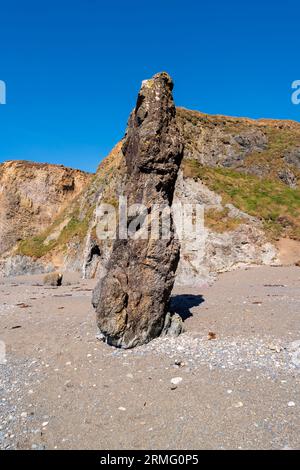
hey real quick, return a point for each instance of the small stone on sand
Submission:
(176, 380)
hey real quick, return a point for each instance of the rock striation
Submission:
(132, 299)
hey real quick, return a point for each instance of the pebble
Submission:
(239, 404)
(176, 380)
(291, 403)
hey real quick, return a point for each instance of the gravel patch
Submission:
(269, 355)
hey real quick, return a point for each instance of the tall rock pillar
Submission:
(132, 300)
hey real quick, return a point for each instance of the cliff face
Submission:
(32, 195)
(245, 172)
(264, 147)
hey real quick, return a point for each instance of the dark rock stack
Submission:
(132, 299)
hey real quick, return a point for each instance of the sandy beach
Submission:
(231, 381)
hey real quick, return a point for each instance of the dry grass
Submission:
(220, 221)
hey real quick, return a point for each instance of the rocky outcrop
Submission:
(292, 157)
(263, 147)
(212, 252)
(18, 265)
(132, 299)
(53, 279)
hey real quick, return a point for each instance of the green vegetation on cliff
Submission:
(73, 228)
(276, 204)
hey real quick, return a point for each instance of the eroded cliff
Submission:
(245, 172)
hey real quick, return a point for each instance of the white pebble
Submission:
(176, 380)
(239, 404)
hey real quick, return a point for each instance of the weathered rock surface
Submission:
(132, 299)
(18, 265)
(263, 147)
(292, 157)
(212, 252)
(53, 279)
(32, 195)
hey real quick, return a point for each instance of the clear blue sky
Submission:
(73, 68)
